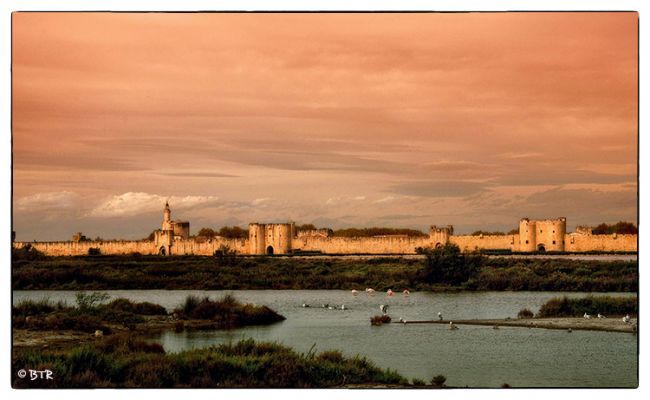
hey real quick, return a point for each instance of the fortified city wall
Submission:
(613, 242)
(361, 245)
(487, 242)
(124, 247)
(281, 238)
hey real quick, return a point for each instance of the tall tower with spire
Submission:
(167, 218)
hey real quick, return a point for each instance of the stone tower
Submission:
(164, 238)
(270, 238)
(167, 218)
(439, 236)
(542, 235)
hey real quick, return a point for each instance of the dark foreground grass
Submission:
(212, 273)
(592, 305)
(125, 361)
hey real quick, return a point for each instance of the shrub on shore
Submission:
(124, 361)
(89, 315)
(606, 305)
(380, 319)
(227, 311)
(525, 313)
(142, 308)
(439, 380)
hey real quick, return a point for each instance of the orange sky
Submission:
(405, 120)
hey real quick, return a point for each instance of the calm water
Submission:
(475, 356)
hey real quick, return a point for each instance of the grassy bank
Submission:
(92, 313)
(213, 273)
(592, 305)
(125, 361)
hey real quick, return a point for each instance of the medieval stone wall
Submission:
(116, 247)
(486, 242)
(361, 245)
(614, 242)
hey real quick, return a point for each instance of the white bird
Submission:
(406, 292)
(383, 308)
(440, 316)
(354, 292)
(601, 316)
(626, 318)
(342, 306)
(586, 316)
(452, 326)
(370, 291)
(304, 305)
(330, 308)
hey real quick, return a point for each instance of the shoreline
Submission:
(613, 324)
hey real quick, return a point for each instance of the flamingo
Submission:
(389, 292)
(354, 292)
(406, 292)
(370, 291)
(383, 308)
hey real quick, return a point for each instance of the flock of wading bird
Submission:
(382, 307)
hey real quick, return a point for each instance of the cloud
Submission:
(134, 203)
(260, 201)
(386, 199)
(48, 201)
(191, 174)
(439, 188)
(553, 176)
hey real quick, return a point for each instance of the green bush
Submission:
(448, 265)
(438, 380)
(227, 312)
(607, 305)
(525, 313)
(86, 301)
(380, 319)
(143, 308)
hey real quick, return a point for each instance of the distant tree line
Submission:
(306, 227)
(624, 228)
(495, 233)
(363, 232)
(230, 232)
(369, 232)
